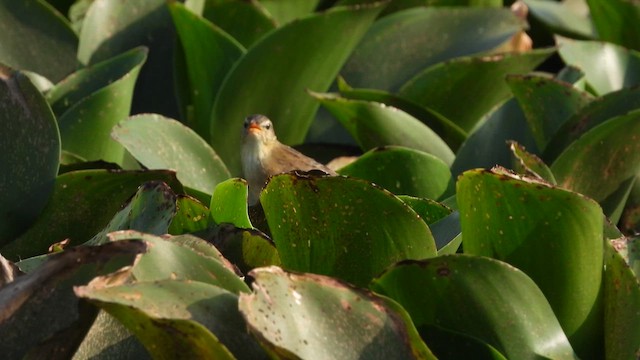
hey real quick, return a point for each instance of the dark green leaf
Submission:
(617, 21)
(247, 22)
(528, 164)
(191, 216)
(561, 19)
(284, 11)
(429, 210)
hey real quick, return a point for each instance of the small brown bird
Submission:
(264, 156)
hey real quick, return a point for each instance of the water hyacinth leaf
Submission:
(191, 216)
(621, 301)
(451, 292)
(452, 345)
(247, 22)
(284, 11)
(330, 226)
(400, 45)
(150, 210)
(158, 142)
(451, 133)
(607, 67)
(176, 319)
(402, 171)
(561, 19)
(167, 259)
(429, 210)
(616, 21)
(39, 307)
(83, 202)
(529, 164)
(229, 203)
(322, 318)
(543, 231)
(547, 103)
(93, 100)
(593, 114)
(30, 136)
(33, 27)
(305, 54)
(602, 159)
(209, 53)
(481, 78)
(398, 5)
(117, 26)
(374, 124)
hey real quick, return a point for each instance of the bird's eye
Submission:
(267, 125)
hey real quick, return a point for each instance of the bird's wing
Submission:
(284, 159)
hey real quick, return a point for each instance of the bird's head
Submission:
(259, 127)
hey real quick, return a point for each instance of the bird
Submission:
(263, 156)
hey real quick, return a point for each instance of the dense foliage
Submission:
(487, 207)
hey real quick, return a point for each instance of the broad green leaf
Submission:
(607, 67)
(453, 345)
(272, 78)
(429, 210)
(399, 46)
(398, 5)
(331, 226)
(209, 53)
(115, 26)
(178, 319)
(614, 204)
(83, 202)
(150, 211)
(31, 155)
(402, 171)
(630, 219)
(39, 309)
(479, 79)
(561, 19)
(285, 11)
(621, 303)
(447, 130)
(191, 216)
(373, 124)
(162, 143)
(598, 162)
(318, 317)
(529, 164)
(247, 22)
(37, 38)
(617, 21)
(167, 259)
(229, 203)
(593, 114)
(478, 297)
(93, 100)
(547, 103)
(553, 235)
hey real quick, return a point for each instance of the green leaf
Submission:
(161, 143)
(31, 158)
(247, 22)
(547, 103)
(285, 11)
(150, 211)
(528, 164)
(331, 226)
(209, 53)
(621, 303)
(374, 124)
(561, 19)
(481, 78)
(399, 46)
(317, 317)
(191, 216)
(607, 67)
(602, 159)
(115, 26)
(475, 296)
(272, 77)
(93, 100)
(40, 309)
(178, 319)
(83, 202)
(170, 259)
(245, 248)
(229, 203)
(553, 235)
(35, 37)
(429, 210)
(402, 171)
(616, 21)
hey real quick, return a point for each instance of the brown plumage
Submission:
(264, 156)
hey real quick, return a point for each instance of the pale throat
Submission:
(255, 151)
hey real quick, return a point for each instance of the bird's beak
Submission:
(254, 128)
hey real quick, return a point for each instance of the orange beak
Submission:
(254, 128)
